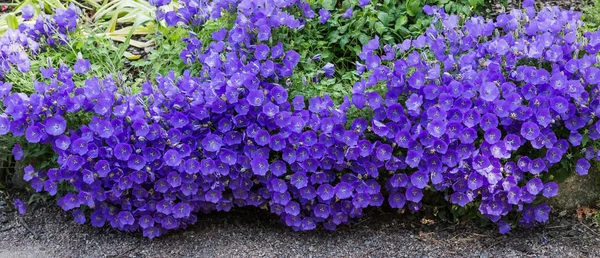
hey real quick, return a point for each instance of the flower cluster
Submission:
(17, 45)
(461, 110)
(489, 107)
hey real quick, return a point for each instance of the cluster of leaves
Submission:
(350, 24)
(477, 110)
(169, 56)
(591, 15)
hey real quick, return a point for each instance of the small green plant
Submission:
(164, 55)
(591, 15)
(340, 39)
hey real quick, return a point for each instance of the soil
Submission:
(47, 231)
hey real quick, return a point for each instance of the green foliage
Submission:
(164, 56)
(339, 41)
(591, 15)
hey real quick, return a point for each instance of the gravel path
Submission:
(251, 233)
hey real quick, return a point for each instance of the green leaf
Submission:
(384, 17)
(380, 28)
(401, 22)
(12, 22)
(364, 39)
(344, 40)
(584, 140)
(413, 7)
(334, 36)
(404, 31)
(342, 29)
(357, 49)
(328, 82)
(326, 54)
(328, 4)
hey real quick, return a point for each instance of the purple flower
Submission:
(291, 58)
(554, 155)
(384, 152)
(292, 208)
(122, 151)
(17, 152)
(542, 212)
(503, 227)
(492, 135)
(361, 200)
(343, 190)
(4, 124)
(178, 120)
(146, 221)
(260, 166)
(414, 194)
(363, 3)
(437, 128)
(97, 219)
(413, 158)
(212, 143)
(534, 186)
(299, 180)
(582, 167)
(80, 146)
(560, 104)
(172, 158)
(79, 216)
(323, 16)
(181, 210)
(459, 198)
(530, 131)
(397, 200)
(27, 12)
(419, 179)
(136, 162)
(255, 97)
(468, 135)
(348, 13)
(261, 52)
(33, 134)
(322, 211)
(328, 70)
(489, 91)
(416, 80)
(126, 218)
(81, 66)
(74, 162)
(550, 189)
(20, 206)
(326, 192)
(102, 167)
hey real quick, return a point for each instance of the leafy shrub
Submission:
(591, 16)
(350, 25)
(479, 111)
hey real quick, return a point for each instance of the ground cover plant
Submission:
(485, 114)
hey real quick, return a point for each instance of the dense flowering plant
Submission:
(479, 110)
